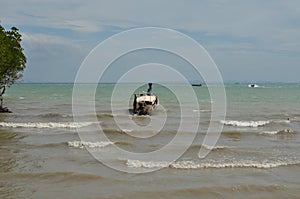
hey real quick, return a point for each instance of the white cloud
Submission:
(51, 58)
(226, 25)
(82, 25)
(33, 40)
(257, 19)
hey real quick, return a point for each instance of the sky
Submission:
(250, 41)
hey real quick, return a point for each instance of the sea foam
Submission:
(216, 147)
(195, 165)
(82, 144)
(126, 130)
(244, 123)
(287, 131)
(202, 110)
(70, 125)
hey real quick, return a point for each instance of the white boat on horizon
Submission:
(253, 86)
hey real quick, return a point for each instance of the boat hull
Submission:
(145, 104)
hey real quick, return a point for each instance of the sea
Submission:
(45, 154)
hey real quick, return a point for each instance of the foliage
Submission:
(12, 59)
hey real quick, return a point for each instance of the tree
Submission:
(12, 60)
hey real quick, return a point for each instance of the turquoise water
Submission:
(256, 156)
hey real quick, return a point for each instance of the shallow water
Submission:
(256, 156)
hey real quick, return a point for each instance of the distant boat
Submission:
(196, 84)
(253, 86)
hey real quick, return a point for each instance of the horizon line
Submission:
(203, 83)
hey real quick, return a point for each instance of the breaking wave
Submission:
(82, 144)
(126, 130)
(70, 125)
(287, 131)
(195, 165)
(112, 130)
(202, 110)
(252, 123)
(245, 123)
(216, 147)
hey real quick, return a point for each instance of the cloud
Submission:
(240, 28)
(37, 39)
(263, 21)
(51, 58)
(241, 19)
(82, 25)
